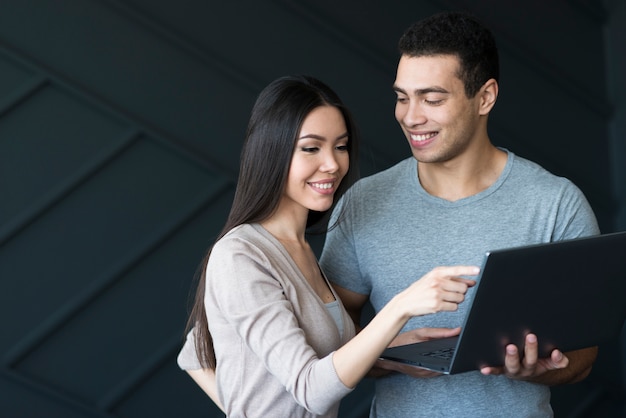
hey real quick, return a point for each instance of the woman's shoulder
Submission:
(242, 249)
(242, 233)
(250, 239)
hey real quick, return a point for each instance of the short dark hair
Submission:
(459, 34)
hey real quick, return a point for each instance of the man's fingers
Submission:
(558, 360)
(512, 363)
(531, 351)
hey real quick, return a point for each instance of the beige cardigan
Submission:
(273, 335)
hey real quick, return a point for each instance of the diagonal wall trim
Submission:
(379, 59)
(86, 410)
(60, 191)
(140, 374)
(230, 71)
(108, 107)
(106, 279)
(21, 94)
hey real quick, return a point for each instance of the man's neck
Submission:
(464, 176)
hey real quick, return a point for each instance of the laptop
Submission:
(569, 293)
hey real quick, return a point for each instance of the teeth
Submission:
(322, 185)
(422, 137)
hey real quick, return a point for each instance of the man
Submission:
(456, 198)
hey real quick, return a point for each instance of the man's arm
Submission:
(560, 368)
(353, 302)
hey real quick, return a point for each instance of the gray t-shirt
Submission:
(394, 232)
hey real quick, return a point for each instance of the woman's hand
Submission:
(441, 289)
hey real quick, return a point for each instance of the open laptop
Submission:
(569, 293)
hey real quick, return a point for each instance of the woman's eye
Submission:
(309, 149)
(342, 147)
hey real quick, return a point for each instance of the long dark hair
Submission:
(274, 125)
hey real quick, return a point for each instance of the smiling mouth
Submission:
(422, 137)
(322, 186)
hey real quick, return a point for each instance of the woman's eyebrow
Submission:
(322, 138)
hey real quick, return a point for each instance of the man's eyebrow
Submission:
(419, 92)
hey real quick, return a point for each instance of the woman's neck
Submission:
(286, 227)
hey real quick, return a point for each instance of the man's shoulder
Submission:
(532, 182)
(536, 174)
(393, 173)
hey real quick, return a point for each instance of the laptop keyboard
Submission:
(445, 353)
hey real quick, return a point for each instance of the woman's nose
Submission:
(330, 164)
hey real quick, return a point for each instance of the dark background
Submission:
(121, 123)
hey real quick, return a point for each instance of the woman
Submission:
(278, 341)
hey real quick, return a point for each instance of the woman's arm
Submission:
(442, 289)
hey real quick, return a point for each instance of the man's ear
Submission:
(488, 95)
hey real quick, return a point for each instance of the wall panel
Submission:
(121, 123)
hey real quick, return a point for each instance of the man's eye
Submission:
(434, 102)
(401, 99)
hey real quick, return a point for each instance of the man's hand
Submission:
(529, 367)
(384, 367)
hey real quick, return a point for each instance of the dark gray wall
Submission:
(615, 35)
(120, 129)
